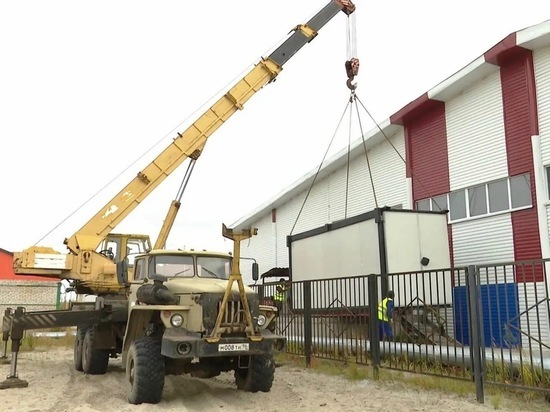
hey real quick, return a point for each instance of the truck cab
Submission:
(175, 299)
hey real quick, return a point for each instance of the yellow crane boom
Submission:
(99, 270)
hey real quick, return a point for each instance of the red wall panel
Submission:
(520, 122)
(427, 154)
(427, 146)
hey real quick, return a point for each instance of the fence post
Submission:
(374, 337)
(307, 322)
(474, 318)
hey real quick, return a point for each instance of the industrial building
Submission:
(477, 144)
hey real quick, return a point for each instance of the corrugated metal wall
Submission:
(541, 60)
(483, 241)
(475, 127)
(516, 73)
(428, 154)
(534, 310)
(520, 122)
(388, 178)
(259, 247)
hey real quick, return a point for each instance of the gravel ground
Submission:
(55, 386)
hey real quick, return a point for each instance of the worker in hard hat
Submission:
(385, 313)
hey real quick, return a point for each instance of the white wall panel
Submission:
(475, 134)
(534, 322)
(259, 247)
(286, 220)
(484, 241)
(388, 171)
(388, 177)
(541, 60)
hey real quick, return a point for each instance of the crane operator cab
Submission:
(113, 246)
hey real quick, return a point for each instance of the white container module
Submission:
(383, 241)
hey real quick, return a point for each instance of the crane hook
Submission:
(352, 68)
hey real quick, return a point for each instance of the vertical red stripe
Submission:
(521, 122)
(427, 142)
(427, 154)
(408, 156)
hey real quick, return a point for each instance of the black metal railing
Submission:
(487, 323)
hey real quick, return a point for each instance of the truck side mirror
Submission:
(255, 271)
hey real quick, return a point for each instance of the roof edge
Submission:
(371, 138)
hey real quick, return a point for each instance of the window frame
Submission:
(469, 189)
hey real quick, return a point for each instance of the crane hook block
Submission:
(352, 69)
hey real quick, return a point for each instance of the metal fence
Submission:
(489, 323)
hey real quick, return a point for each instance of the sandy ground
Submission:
(55, 386)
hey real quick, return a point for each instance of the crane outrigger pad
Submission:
(13, 382)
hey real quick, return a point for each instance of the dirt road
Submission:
(55, 386)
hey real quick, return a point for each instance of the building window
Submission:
(477, 200)
(498, 196)
(457, 204)
(548, 179)
(502, 195)
(439, 203)
(423, 204)
(520, 190)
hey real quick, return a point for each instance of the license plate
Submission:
(232, 347)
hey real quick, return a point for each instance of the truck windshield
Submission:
(171, 266)
(181, 266)
(214, 267)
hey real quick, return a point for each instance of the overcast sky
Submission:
(88, 87)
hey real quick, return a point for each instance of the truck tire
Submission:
(145, 371)
(259, 375)
(77, 352)
(94, 361)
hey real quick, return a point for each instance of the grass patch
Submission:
(495, 397)
(30, 341)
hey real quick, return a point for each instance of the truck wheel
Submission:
(77, 352)
(259, 375)
(145, 371)
(94, 361)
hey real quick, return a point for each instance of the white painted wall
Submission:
(475, 127)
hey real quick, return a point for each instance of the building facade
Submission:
(477, 145)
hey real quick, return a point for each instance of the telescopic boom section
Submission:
(183, 146)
